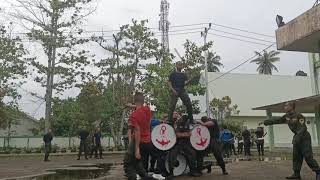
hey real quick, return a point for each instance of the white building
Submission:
(253, 90)
(23, 126)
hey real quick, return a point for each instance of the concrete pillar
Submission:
(314, 65)
(317, 122)
(270, 132)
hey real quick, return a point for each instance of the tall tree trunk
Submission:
(48, 98)
(133, 77)
(120, 132)
(113, 133)
(50, 75)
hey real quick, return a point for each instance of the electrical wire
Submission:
(244, 62)
(242, 30)
(228, 37)
(248, 37)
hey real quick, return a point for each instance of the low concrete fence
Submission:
(35, 142)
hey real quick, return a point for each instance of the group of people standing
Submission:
(244, 141)
(84, 136)
(94, 144)
(140, 147)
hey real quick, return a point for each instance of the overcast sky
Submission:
(252, 15)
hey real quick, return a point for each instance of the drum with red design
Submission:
(200, 138)
(163, 137)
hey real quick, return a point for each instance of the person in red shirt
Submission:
(139, 136)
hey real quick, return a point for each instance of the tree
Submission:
(222, 108)
(301, 73)
(234, 126)
(266, 61)
(12, 71)
(214, 62)
(54, 25)
(155, 82)
(91, 104)
(140, 45)
(66, 117)
(130, 50)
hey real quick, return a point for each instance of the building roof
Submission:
(254, 90)
(303, 105)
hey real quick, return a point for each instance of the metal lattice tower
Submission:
(164, 24)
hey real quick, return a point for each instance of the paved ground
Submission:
(242, 170)
(24, 166)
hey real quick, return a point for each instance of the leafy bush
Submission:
(63, 150)
(55, 148)
(234, 126)
(73, 149)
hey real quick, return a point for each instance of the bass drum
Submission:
(180, 167)
(200, 137)
(163, 137)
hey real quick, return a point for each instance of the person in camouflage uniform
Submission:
(301, 140)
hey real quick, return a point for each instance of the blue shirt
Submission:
(154, 123)
(225, 135)
(97, 137)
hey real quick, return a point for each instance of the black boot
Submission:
(195, 174)
(295, 175)
(318, 175)
(169, 176)
(224, 171)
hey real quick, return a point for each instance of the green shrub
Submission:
(55, 148)
(63, 150)
(73, 149)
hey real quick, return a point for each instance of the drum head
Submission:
(163, 137)
(180, 166)
(200, 138)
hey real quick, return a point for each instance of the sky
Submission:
(252, 15)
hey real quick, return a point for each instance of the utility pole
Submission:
(164, 25)
(204, 35)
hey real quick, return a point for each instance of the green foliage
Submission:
(234, 126)
(266, 61)
(195, 107)
(214, 62)
(222, 108)
(90, 101)
(12, 70)
(67, 117)
(155, 83)
(53, 24)
(131, 48)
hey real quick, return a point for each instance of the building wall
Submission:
(22, 128)
(35, 142)
(282, 134)
(255, 90)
